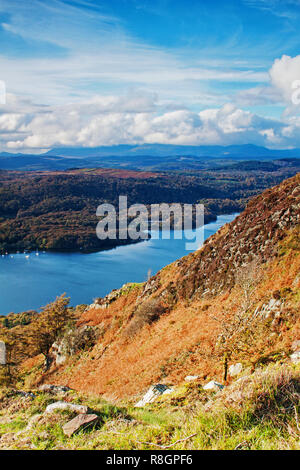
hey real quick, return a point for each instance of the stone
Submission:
(235, 369)
(81, 421)
(153, 393)
(25, 394)
(57, 353)
(212, 385)
(190, 378)
(2, 353)
(54, 388)
(295, 357)
(63, 405)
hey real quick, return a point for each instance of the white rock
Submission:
(153, 393)
(189, 378)
(63, 405)
(2, 353)
(235, 369)
(295, 357)
(58, 353)
(212, 385)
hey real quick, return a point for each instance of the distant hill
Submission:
(149, 157)
(256, 165)
(247, 151)
(55, 210)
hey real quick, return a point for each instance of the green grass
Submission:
(261, 413)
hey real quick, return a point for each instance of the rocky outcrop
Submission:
(252, 235)
(102, 303)
(54, 389)
(74, 340)
(2, 353)
(153, 393)
(58, 355)
(213, 385)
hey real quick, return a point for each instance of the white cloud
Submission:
(259, 96)
(139, 118)
(283, 73)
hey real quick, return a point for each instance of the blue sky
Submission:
(131, 71)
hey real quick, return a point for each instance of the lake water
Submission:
(29, 283)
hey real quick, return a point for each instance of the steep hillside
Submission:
(236, 299)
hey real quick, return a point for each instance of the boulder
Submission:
(58, 355)
(212, 385)
(295, 357)
(153, 393)
(54, 388)
(2, 353)
(190, 378)
(63, 405)
(81, 421)
(235, 369)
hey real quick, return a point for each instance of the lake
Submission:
(27, 283)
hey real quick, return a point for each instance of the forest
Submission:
(56, 210)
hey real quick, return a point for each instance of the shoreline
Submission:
(39, 279)
(126, 242)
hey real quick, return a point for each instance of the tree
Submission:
(15, 347)
(48, 326)
(242, 330)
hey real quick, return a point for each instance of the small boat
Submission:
(27, 256)
(37, 254)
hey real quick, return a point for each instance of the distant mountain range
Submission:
(247, 151)
(159, 157)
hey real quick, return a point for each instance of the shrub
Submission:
(79, 339)
(147, 313)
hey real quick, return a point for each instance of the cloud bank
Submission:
(136, 118)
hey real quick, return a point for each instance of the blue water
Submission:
(30, 283)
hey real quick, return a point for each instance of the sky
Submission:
(87, 73)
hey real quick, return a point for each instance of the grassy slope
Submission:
(231, 419)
